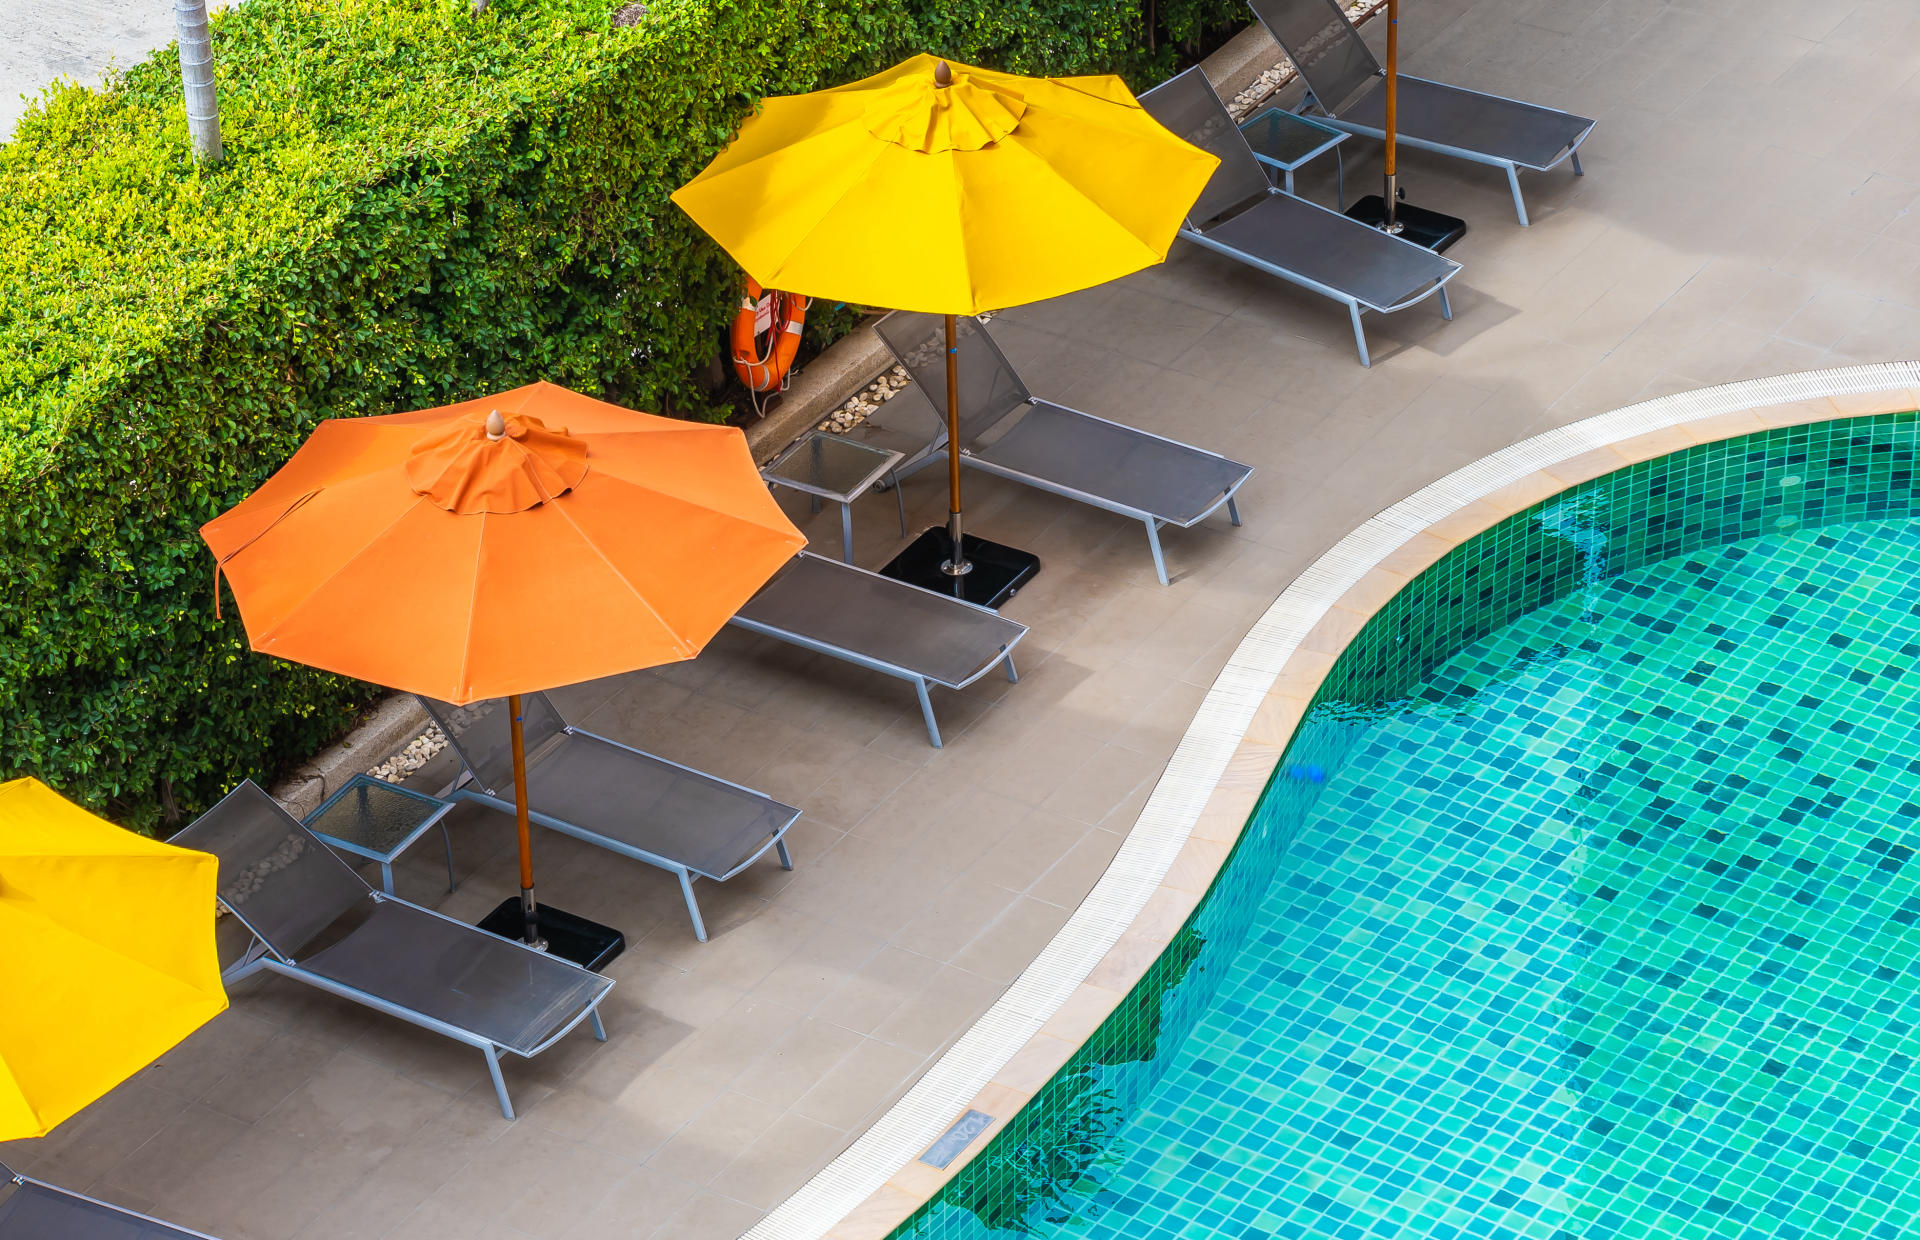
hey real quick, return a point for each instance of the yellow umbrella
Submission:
(952, 190)
(107, 955)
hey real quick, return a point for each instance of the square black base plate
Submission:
(570, 937)
(998, 570)
(1423, 227)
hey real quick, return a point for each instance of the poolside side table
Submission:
(377, 820)
(1287, 141)
(828, 466)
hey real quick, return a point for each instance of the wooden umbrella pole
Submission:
(1393, 111)
(528, 909)
(958, 565)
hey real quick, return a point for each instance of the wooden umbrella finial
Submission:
(496, 426)
(942, 74)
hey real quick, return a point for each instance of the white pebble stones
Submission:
(415, 754)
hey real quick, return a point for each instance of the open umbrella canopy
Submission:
(986, 191)
(108, 957)
(425, 552)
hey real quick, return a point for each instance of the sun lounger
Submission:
(35, 1210)
(314, 920)
(1006, 431)
(1242, 215)
(614, 796)
(884, 625)
(1346, 83)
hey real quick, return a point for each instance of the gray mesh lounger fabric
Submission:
(1005, 431)
(1438, 115)
(35, 1211)
(1348, 84)
(458, 975)
(1332, 250)
(879, 623)
(275, 875)
(293, 892)
(615, 796)
(1240, 214)
(1088, 455)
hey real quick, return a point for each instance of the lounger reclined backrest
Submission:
(35, 1211)
(989, 388)
(1332, 58)
(481, 734)
(275, 875)
(1186, 105)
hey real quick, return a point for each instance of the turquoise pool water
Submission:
(1601, 926)
(1608, 933)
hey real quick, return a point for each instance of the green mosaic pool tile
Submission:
(1056, 1168)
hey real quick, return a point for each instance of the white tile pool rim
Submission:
(1211, 783)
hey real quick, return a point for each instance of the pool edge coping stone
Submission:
(1203, 800)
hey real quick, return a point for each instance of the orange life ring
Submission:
(780, 315)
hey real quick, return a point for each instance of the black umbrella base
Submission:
(569, 936)
(998, 570)
(1422, 227)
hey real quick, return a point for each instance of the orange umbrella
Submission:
(500, 546)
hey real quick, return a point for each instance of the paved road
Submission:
(77, 39)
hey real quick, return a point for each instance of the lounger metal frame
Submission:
(1355, 304)
(1512, 167)
(938, 450)
(1354, 57)
(9, 1176)
(921, 684)
(467, 788)
(262, 956)
(1153, 523)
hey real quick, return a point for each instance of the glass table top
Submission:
(831, 466)
(1280, 137)
(375, 817)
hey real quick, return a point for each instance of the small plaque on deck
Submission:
(956, 1138)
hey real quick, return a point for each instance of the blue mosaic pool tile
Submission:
(1580, 908)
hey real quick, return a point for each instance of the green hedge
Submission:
(418, 205)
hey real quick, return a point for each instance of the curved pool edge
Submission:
(1203, 800)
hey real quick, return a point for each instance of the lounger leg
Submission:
(448, 837)
(846, 533)
(1340, 164)
(1289, 180)
(386, 877)
(599, 1030)
(899, 504)
(1359, 334)
(1446, 307)
(926, 710)
(786, 858)
(693, 907)
(1013, 677)
(1519, 203)
(1577, 169)
(1153, 541)
(499, 1081)
(1233, 511)
(246, 966)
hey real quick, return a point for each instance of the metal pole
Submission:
(196, 79)
(1391, 223)
(528, 909)
(957, 566)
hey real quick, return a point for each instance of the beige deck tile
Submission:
(1008, 945)
(789, 1150)
(849, 1095)
(713, 1138)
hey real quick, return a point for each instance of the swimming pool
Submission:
(1581, 905)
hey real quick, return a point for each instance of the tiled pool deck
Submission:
(1749, 209)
